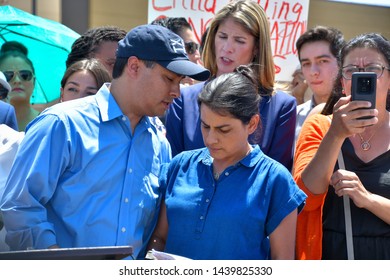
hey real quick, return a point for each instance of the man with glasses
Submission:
(181, 27)
(318, 49)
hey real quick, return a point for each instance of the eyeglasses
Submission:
(348, 70)
(191, 47)
(3, 93)
(24, 75)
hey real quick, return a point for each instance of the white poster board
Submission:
(287, 19)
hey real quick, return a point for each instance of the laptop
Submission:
(80, 253)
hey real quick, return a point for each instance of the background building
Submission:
(351, 19)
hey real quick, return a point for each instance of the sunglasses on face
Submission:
(191, 47)
(24, 75)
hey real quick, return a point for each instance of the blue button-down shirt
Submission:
(230, 218)
(275, 134)
(82, 179)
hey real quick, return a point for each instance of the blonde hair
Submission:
(252, 18)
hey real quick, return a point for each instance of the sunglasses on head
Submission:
(24, 75)
(191, 47)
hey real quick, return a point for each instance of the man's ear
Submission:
(133, 65)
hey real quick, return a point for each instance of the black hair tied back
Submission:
(248, 72)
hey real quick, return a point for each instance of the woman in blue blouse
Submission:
(229, 200)
(238, 35)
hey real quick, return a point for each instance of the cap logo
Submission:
(177, 45)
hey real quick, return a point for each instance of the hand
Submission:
(187, 81)
(298, 86)
(345, 122)
(348, 183)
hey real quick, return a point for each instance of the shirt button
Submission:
(201, 217)
(226, 173)
(123, 118)
(123, 229)
(207, 200)
(130, 170)
(126, 200)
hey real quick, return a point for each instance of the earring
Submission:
(343, 91)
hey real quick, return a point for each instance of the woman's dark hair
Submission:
(373, 41)
(234, 94)
(14, 46)
(16, 53)
(93, 65)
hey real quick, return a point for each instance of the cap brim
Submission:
(186, 68)
(6, 85)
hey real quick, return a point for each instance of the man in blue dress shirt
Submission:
(86, 172)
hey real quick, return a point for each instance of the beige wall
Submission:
(45, 8)
(350, 19)
(122, 13)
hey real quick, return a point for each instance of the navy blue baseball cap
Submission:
(159, 44)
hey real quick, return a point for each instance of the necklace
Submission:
(365, 144)
(216, 175)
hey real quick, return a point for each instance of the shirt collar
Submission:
(313, 103)
(249, 161)
(253, 157)
(109, 108)
(107, 105)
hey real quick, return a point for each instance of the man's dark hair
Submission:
(176, 24)
(162, 21)
(90, 41)
(322, 33)
(121, 62)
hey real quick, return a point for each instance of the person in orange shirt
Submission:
(365, 144)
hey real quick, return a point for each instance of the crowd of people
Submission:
(193, 148)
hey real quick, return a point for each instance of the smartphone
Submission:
(364, 88)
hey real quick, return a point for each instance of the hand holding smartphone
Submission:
(364, 88)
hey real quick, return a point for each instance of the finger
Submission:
(342, 101)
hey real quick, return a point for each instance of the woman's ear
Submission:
(342, 87)
(61, 93)
(253, 123)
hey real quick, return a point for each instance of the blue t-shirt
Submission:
(275, 134)
(233, 217)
